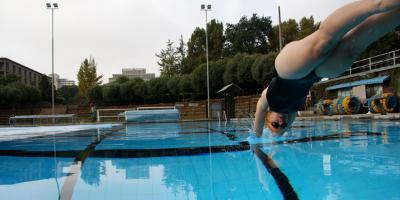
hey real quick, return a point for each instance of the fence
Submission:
(388, 59)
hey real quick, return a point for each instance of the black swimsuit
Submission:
(289, 95)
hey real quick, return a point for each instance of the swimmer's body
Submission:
(327, 52)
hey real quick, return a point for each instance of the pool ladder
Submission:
(222, 115)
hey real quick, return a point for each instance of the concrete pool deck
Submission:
(375, 116)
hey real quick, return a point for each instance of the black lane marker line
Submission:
(204, 132)
(132, 153)
(143, 153)
(68, 188)
(226, 133)
(280, 178)
(328, 137)
(184, 151)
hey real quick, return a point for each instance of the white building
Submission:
(65, 82)
(60, 82)
(132, 73)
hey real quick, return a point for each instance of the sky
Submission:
(123, 33)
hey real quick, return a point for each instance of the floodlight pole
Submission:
(207, 8)
(52, 6)
(280, 30)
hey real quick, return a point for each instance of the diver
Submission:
(327, 52)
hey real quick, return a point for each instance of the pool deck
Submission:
(388, 116)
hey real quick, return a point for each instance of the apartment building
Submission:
(25, 74)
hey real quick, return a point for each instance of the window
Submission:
(345, 92)
(371, 90)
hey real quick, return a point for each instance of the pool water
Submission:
(206, 160)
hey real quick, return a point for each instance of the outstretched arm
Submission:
(261, 110)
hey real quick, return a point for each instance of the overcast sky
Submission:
(122, 33)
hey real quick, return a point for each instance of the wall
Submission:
(195, 110)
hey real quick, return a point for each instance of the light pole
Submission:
(207, 8)
(52, 7)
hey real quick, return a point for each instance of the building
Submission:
(60, 82)
(65, 82)
(132, 73)
(366, 78)
(56, 79)
(25, 75)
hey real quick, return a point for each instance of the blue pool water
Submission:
(206, 160)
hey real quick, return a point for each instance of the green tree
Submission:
(111, 94)
(196, 53)
(181, 55)
(168, 60)
(173, 88)
(217, 69)
(95, 94)
(248, 35)
(19, 94)
(45, 88)
(140, 91)
(389, 42)
(132, 91)
(185, 86)
(216, 39)
(158, 90)
(243, 73)
(13, 95)
(263, 68)
(199, 81)
(307, 26)
(290, 31)
(122, 79)
(68, 92)
(87, 76)
(231, 69)
(9, 78)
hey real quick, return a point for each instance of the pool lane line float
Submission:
(322, 107)
(345, 105)
(386, 101)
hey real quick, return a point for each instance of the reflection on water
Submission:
(322, 160)
(354, 166)
(15, 170)
(234, 176)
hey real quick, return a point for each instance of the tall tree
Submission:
(216, 39)
(307, 26)
(68, 92)
(168, 60)
(290, 31)
(263, 68)
(196, 53)
(45, 88)
(87, 76)
(248, 35)
(197, 45)
(181, 55)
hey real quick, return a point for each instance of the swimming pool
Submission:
(206, 160)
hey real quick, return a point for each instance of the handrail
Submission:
(388, 59)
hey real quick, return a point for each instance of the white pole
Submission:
(52, 63)
(280, 30)
(208, 79)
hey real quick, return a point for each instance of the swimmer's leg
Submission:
(299, 58)
(356, 41)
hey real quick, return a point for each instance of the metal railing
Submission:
(391, 58)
